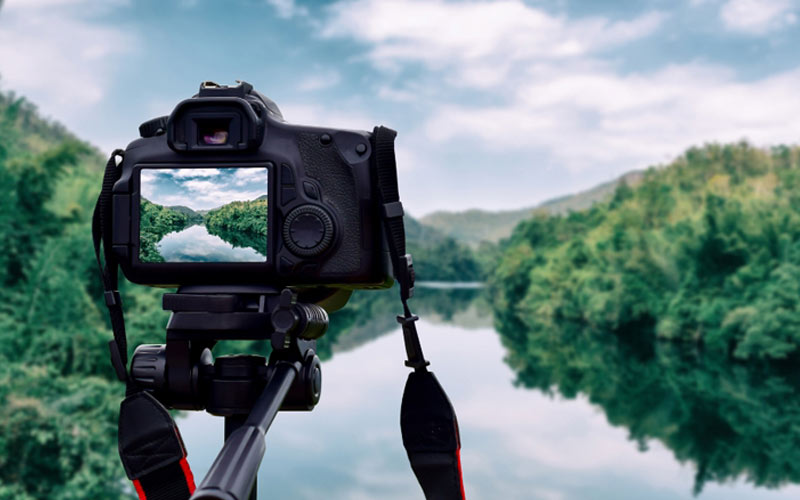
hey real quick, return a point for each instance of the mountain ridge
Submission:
(476, 225)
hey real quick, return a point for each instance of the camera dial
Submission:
(308, 231)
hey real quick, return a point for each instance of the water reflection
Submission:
(196, 244)
(609, 417)
(726, 420)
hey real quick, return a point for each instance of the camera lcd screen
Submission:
(203, 214)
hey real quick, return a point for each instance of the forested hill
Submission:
(472, 227)
(706, 249)
(58, 400)
(186, 211)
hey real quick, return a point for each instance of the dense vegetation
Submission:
(705, 250)
(728, 420)
(651, 303)
(441, 258)
(58, 402)
(240, 223)
(240, 216)
(155, 222)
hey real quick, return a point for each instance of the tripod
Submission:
(244, 389)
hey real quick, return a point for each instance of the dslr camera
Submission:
(225, 191)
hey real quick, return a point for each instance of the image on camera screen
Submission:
(203, 214)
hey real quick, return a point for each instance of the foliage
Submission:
(704, 250)
(58, 395)
(240, 216)
(727, 419)
(441, 258)
(155, 222)
(240, 223)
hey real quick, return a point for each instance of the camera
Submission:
(225, 191)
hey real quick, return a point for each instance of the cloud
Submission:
(758, 17)
(586, 120)
(287, 9)
(320, 80)
(52, 52)
(550, 95)
(480, 41)
(192, 173)
(202, 189)
(341, 116)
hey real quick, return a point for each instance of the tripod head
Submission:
(245, 389)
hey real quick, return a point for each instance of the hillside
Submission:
(186, 211)
(705, 250)
(474, 226)
(59, 395)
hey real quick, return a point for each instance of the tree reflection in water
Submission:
(728, 419)
(241, 239)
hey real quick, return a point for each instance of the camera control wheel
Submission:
(308, 231)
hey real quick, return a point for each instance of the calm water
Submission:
(518, 443)
(195, 244)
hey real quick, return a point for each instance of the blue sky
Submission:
(498, 104)
(202, 188)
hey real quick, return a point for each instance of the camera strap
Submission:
(150, 445)
(427, 419)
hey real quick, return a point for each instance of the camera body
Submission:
(226, 192)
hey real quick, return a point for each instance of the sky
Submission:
(498, 104)
(202, 188)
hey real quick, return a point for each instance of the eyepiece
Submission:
(213, 132)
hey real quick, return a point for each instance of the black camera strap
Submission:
(427, 419)
(150, 445)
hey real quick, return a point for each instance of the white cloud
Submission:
(345, 117)
(49, 4)
(481, 41)
(51, 52)
(190, 173)
(287, 9)
(758, 17)
(546, 92)
(322, 79)
(601, 119)
(202, 188)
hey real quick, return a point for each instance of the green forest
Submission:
(240, 223)
(155, 222)
(705, 250)
(675, 307)
(59, 397)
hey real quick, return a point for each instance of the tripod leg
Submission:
(232, 423)
(232, 475)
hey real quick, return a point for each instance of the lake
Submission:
(606, 433)
(196, 244)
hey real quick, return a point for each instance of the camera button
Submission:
(311, 190)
